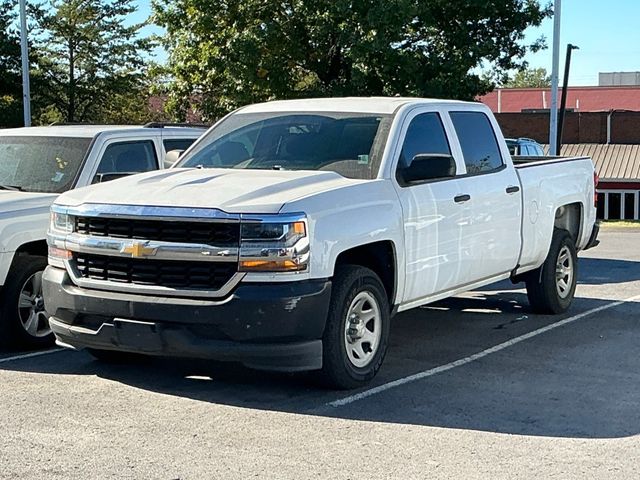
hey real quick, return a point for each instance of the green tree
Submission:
(10, 67)
(230, 52)
(530, 78)
(89, 57)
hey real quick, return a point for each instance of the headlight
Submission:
(272, 246)
(60, 223)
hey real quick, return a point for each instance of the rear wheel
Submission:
(23, 319)
(551, 287)
(357, 330)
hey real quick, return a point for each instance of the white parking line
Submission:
(30, 355)
(472, 358)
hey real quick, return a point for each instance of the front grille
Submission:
(219, 234)
(164, 273)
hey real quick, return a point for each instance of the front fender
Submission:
(349, 217)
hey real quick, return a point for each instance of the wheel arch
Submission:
(379, 256)
(36, 248)
(570, 217)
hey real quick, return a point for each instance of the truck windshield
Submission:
(40, 164)
(350, 144)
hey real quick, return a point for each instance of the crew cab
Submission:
(288, 235)
(37, 164)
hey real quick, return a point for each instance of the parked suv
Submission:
(524, 147)
(290, 233)
(36, 165)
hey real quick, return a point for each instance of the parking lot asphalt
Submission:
(473, 387)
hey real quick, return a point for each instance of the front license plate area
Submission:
(137, 335)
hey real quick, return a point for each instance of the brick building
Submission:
(611, 139)
(580, 99)
(601, 122)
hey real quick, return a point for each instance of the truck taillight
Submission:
(596, 179)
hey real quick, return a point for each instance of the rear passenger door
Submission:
(495, 199)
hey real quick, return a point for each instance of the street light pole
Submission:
(26, 90)
(553, 123)
(563, 102)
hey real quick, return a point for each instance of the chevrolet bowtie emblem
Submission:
(138, 250)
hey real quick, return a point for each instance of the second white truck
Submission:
(293, 231)
(36, 165)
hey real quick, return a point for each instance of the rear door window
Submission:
(128, 157)
(478, 142)
(177, 143)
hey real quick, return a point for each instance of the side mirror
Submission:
(172, 157)
(428, 166)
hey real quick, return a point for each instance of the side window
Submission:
(524, 150)
(128, 157)
(424, 135)
(177, 143)
(478, 141)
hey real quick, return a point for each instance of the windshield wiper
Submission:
(13, 188)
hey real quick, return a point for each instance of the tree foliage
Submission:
(530, 78)
(89, 58)
(10, 68)
(230, 52)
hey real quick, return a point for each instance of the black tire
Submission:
(13, 333)
(114, 356)
(338, 371)
(542, 283)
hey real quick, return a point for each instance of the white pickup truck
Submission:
(37, 164)
(289, 234)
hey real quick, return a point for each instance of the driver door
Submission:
(435, 219)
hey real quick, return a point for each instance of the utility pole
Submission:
(553, 123)
(26, 89)
(563, 102)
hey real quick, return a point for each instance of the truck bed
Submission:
(523, 161)
(547, 182)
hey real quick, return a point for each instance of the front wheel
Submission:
(23, 319)
(357, 330)
(551, 287)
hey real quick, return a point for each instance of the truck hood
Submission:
(14, 204)
(233, 191)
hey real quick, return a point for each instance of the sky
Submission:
(141, 15)
(607, 32)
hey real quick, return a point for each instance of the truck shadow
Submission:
(572, 382)
(592, 271)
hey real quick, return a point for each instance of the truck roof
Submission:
(381, 105)
(86, 131)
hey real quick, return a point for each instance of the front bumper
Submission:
(274, 326)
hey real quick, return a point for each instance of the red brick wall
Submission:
(586, 127)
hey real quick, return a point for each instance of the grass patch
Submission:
(620, 223)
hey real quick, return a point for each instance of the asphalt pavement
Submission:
(473, 387)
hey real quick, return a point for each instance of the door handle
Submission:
(462, 198)
(513, 189)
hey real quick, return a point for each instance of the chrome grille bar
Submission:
(127, 248)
